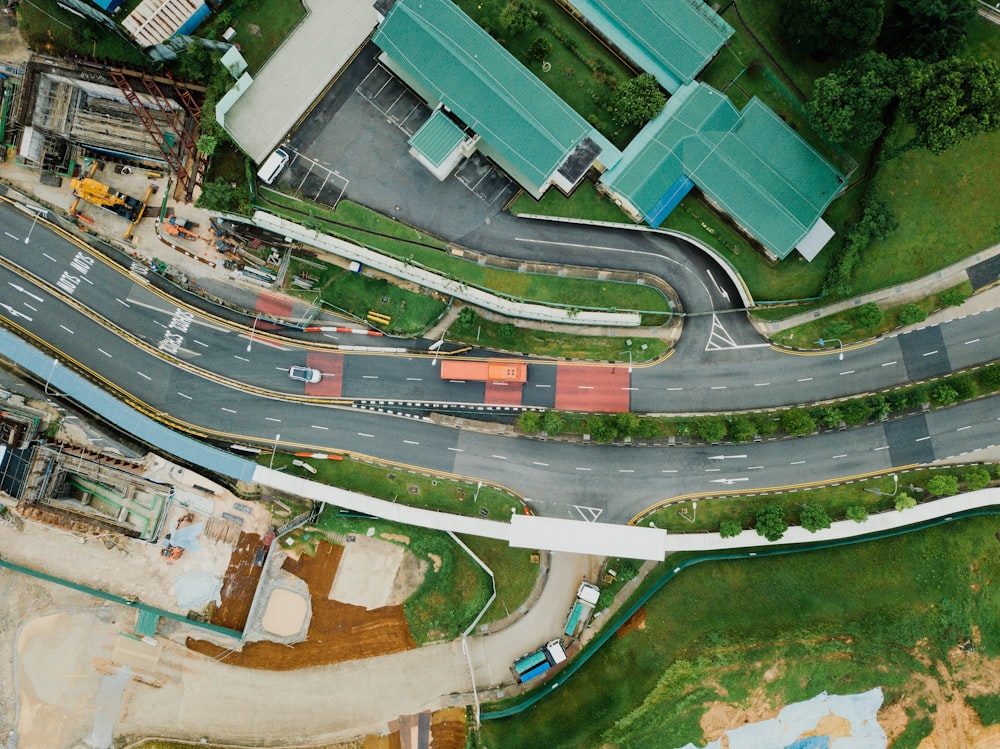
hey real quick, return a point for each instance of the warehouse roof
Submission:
(444, 55)
(750, 163)
(670, 39)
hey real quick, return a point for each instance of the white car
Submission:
(305, 374)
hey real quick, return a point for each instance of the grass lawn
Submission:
(513, 571)
(585, 202)
(806, 335)
(937, 200)
(407, 487)
(273, 19)
(370, 229)
(450, 596)
(50, 29)
(834, 499)
(842, 620)
(584, 86)
(545, 343)
(411, 312)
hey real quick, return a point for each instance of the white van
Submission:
(272, 167)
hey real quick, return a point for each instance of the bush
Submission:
(602, 428)
(868, 316)
(905, 502)
(712, 429)
(990, 377)
(507, 330)
(730, 529)
(943, 485)
(797, 422)
(531, 422)
(963, 386)
(952, 298)
(830, 417)
(911, 314)
(467, 317)
(814, 518)
(857, 513)
(552, 422)
(879, 406)
(856, 411)
(627, 423)
(539, 48)
(771, 522)
(944, 394)
(742, 429)
(976, 478)
(765, 425)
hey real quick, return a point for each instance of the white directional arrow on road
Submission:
(25, 291)
(14, 312)
(729, 481)
(724, 457)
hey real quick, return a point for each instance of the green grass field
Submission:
(513, 571)
(262, 26)
(842, 620)
(50, 29)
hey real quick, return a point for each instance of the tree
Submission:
(765, 425)
(712, 429)
(857, 513)
(856, 411)
(207, 144)
(742, 429)
(814, 518)
(911, 314)
(220, 195)
(823, 28)
(905, 502)
(467, 317)
(943, 485)
(868, 316)
(849, 103)
(531, 422)
(552, 422)
(539, 48)
(797, 422)
(963, 386)
(602, 428)
(950, 101)
(730, 529)
(518, 17)
(928, 30)
(976, 478)
(637, 100)
(991, 376)
(771, 522)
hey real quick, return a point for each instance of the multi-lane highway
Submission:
(218, 377)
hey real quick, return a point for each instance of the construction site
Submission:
(70, 111)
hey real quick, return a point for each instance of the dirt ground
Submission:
(374, 573)
(12, 46)
(239, 584)
(337, 632)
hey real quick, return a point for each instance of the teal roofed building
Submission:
(750, 164)
(517, 120)
(670, 39)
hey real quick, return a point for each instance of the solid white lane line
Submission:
(365, 434)
(317, 426)
(499, 457)
(228, 410)
(414, 379)
(369, 377)
(796, 462)
(123, 303)
(543, 386)
(889, 363)
(761, 384)
(537, 463)
(842, 455)
(930, 353)
(143, 374)
(805, 379)
(582, 469)
(105, 353)
(962, 429)
(456, 450)
(718, 387)
(67, 330)
(16, 239)
(974, 340)
(199, 343)
(884, 447)
(271, 418)
(50, 257)
(673, 389)
(626, 470)
(411, 442)
(184, 395)
(849, 371)
(237, 356)
(669, 470)
(921, 439)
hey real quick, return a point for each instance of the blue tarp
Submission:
(194, 21)
(811, 742)
(670, 200)
(108, 5)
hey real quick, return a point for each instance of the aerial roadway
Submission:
(231, 381)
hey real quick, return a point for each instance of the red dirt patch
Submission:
(636, 621)
(239, 584)
(337, 632)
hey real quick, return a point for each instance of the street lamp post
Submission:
(276, 438)
(840, 343)
(694, 513)
(252, 331)
(55, 363)
(895, 482)
(436, 348)
(27, 239)
(629, 352)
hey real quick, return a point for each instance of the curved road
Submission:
(606, 483)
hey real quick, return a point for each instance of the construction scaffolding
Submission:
(73, 111)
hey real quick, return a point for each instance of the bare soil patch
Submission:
(239, 584)
(337, 632)
(721, 717)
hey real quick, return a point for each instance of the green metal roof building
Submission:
(670, 39)
(522, 125)
(749, 163)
